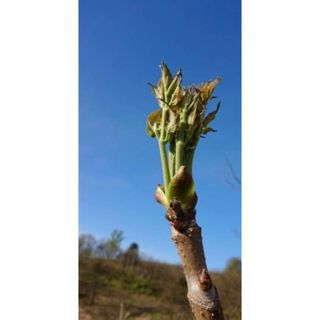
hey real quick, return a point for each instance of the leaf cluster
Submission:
(180, 120)
(184, 107)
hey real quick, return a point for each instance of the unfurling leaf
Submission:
(211, 116)
(207, 89)
(153, 118)
(192, 117)
(166, 76)
(175, 83)
(176, 98)
(156, 90)
(206, 130)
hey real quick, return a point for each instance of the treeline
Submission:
(110, 248)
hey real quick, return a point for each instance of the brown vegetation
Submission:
(146, 290)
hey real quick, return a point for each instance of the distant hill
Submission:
(123, 289)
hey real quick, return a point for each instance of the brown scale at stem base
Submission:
(186, 235)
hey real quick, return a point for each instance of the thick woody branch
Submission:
(202, 294)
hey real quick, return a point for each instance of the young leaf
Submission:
(207, 129)
(211, 116)
(207, 89)
(175, 83)
(153, 118)
(166, 76)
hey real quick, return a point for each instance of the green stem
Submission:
(164, 164)
(179, 155)
(189, 160)
(163, 123)
(180, 145)
(172, 151)
(190, 155)
(163, 151)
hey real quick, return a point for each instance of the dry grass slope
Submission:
(111, 290)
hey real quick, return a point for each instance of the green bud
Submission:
(181, 188)
(161, 197)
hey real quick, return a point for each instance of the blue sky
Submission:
(121, 46)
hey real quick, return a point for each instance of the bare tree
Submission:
(178, 125)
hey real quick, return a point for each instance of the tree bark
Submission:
(202, 294)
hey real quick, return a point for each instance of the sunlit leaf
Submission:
(154, 117)
(207, 89)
